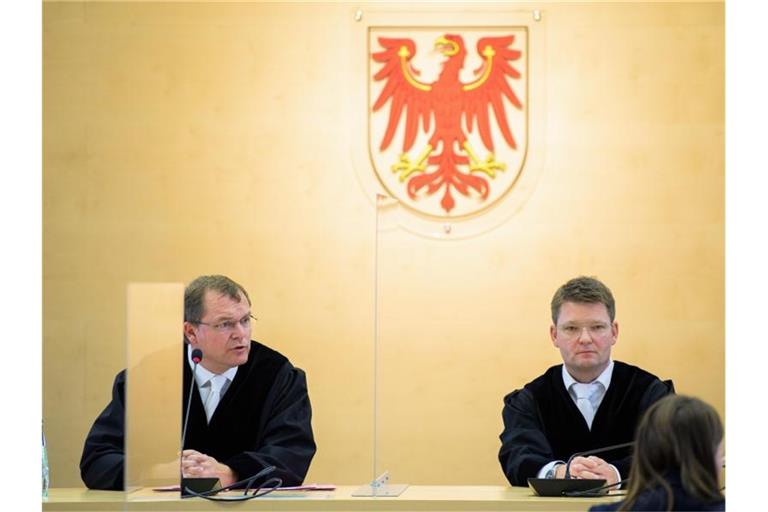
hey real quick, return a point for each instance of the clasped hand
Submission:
(590, 468)
(196, 464)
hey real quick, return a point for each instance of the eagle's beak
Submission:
(446, 46)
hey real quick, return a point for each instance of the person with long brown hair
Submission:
(677, 459)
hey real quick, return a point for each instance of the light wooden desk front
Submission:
(415, 498)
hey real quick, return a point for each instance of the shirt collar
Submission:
(604, 378)
(203, 375)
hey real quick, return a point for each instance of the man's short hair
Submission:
(583, 289)
(194, 294)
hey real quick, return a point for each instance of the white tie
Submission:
(214, 395)
(583, 394)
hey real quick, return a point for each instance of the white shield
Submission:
(480, 177)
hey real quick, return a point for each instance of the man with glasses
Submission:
(588, 402)
(249, 409)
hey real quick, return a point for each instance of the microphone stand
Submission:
(196, 361)
(194, 484)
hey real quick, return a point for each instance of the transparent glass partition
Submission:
(153, 384)
(449, 134)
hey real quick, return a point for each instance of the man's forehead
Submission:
(217, 302)
(578, 310)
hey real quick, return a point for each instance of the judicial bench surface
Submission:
(416, 498)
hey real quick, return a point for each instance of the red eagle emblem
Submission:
(447, 110)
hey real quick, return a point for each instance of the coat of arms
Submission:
(448, 116)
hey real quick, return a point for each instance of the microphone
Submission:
(573, 486)
(265, 488)
(197, 484)
(197, 356)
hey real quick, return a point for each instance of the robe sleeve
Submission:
(524, 447)
(101, 465)
(655, 391)
(286, 439)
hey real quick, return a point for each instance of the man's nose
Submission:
(584, 336)
(240, 330)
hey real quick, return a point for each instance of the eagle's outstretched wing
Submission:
(488, 89)
(401, 86)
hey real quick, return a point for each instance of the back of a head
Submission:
(678, 435)
(583, 289)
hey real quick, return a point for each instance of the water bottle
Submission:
(45, 467)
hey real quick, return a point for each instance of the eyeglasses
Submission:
(229, 325)
(570, 331)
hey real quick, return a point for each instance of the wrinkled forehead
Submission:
(216, 303)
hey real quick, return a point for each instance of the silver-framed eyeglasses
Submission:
(570, 331)
(229, 325)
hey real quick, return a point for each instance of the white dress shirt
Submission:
(600, 386)
(205, 384)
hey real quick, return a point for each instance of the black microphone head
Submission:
(197, 356)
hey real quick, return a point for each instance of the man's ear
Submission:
(190, 333)
(615, 331)
(553, 334)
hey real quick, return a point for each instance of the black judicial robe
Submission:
(263, 419)
(542, 424)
